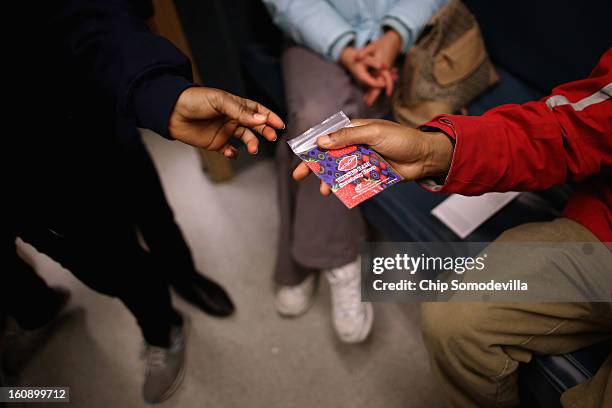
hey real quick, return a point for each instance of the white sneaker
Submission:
(352, 318)
(292, 301)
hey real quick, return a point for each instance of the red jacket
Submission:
(563, 137)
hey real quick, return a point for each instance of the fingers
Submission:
(368, 49)
(301, 172)
(266, 131)
(370, 97)
(367, 134)
(366, 78)
(229, 151)
(247, 113)
(373, 93)
(235, 108)
(248, 138)
(394, 74)
(373, 62)
(325, 189)
(386, 75)
(273, 119)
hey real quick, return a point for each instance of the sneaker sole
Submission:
(173, 388)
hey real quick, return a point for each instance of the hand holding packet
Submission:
(354, 173)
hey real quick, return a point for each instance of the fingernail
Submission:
(259, 117)
(324, 140)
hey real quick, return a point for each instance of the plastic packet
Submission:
(354, 173)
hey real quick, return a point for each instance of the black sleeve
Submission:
(143, 74)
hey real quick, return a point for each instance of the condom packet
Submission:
(354, 173)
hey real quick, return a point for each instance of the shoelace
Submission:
(155, 357)
(177, 342)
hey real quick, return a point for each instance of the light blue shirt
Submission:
(328, 26)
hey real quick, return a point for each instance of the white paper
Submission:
(464, 214)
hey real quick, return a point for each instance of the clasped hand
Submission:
(373, 66)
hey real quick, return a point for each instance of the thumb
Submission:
(368, 134)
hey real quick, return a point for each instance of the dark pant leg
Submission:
(150, 209)
(30, 301)
(108, 258)
(76, 211)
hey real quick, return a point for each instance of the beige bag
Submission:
(446, 68)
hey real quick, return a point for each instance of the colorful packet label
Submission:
(354, 173)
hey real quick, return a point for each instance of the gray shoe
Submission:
(165, 367)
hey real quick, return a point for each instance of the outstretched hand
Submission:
(412, 153)
(209, 118)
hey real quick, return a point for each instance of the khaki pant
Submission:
(476, 347)
(316, 232)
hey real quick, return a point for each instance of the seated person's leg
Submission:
(316, 233)
(476, 347)
(315, 89)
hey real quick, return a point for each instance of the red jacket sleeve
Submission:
(564, 137)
